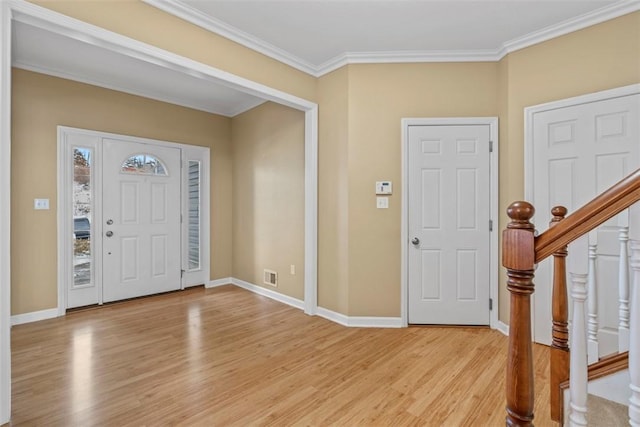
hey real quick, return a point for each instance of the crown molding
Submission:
(398, 57)
(190, 14)
(597, 16)
(194, 16)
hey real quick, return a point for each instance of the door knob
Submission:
(109, 233)
(415, 241)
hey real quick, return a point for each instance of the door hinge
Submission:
(180, 218)
(490, 304)
(181, 273)
(491, 146)
(490, 225)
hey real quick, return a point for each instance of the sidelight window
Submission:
(194, 202)
(82, 215)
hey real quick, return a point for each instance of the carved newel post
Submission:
(518, 257)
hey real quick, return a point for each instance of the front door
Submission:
(141, 215)
(449, 213)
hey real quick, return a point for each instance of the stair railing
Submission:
(521, 251)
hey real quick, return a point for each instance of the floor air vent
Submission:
(270, 278)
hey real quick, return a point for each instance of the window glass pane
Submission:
(144, 164)
(194, 215)
(82, 195)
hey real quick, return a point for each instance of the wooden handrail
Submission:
(607, 205)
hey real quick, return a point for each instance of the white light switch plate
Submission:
(40, 204)
(382, 202)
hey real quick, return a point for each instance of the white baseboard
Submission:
(350, 321)
(219, 282)
(360, 321)
(285, 299)
(34, 316)
(333, 316)
(503, 327)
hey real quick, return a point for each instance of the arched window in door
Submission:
(144, 164)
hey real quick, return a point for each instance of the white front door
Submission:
(579, 151)
(449, 204)
(141, 214)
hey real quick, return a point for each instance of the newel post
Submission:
(518, 257)
(559, 354)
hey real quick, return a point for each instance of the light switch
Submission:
(382, 202)
(40, 204)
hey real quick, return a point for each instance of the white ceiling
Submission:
(318, 36)
(315, 36)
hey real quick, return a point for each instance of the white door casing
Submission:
(449, 208)
(575, 149)
(141, 215)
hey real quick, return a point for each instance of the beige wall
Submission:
(333, 191)
(268, 196)
(145, 23)
(41, 103)
(379, 97)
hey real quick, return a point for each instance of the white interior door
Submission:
(579, 151)
(449, 204)
(141, 215)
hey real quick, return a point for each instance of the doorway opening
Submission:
(133, 217)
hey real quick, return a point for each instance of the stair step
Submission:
(606, 413)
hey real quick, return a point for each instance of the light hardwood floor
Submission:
(226, 356)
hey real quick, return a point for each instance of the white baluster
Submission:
(578, 267)
(634, 337)
(623, 283)
(592, 325)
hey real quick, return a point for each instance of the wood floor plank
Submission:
(227, 357)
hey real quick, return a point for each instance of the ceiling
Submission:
(315, 36)
(43, 51)
(321, 32)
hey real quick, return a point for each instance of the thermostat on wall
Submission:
(383, 187)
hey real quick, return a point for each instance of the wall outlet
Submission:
(41, 204)
(382, 202)
(292, 269)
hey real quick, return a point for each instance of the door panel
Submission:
(449, 212)
(142, 256)
(580, 151)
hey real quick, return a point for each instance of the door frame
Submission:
(492, 122)
(529, 116)
(65, 198)
(44, 18)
